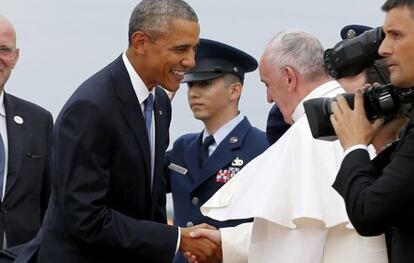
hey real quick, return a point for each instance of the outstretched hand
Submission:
(199, 249)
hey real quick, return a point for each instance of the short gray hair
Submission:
(299, 50)
(153, 16)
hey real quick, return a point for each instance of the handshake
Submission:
(201, 243)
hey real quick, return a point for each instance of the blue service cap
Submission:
(351, 31)
(215, 59)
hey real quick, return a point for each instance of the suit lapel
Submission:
(16, 141)
(131, 110)
(224, 153)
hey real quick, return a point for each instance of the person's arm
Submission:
(233, 241)
(373, 196)
(83, 152)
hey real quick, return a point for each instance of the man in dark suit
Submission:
(379, 193)
(197, 170)
(25, 145)
(108, 189)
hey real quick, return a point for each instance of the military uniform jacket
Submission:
(192, 186)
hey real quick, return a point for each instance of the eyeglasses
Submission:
(6, 52)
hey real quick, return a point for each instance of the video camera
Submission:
(383, 101)
(349, 58)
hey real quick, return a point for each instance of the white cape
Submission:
(289, 182)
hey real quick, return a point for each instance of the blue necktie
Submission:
(2, 163)
(148, 108)
(203, 155)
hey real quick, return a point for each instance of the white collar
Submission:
(140, 89)
(320, 91)
(2, 108)
(224, 130)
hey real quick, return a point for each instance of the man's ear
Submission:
(138, 41)
(292, 78)
(235, 90)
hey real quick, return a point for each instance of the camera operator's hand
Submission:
(352, 126)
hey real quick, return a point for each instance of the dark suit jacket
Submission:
(276, 125)
(28, 180)
(197, 185)
(103, 208)
(379, 196)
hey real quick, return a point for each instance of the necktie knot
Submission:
(204, 152)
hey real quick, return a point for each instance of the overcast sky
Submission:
(64, 42)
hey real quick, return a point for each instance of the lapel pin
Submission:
(233, 139)
(18, 119)
(160, 112)
(237, 162)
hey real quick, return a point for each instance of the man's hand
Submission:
(352, 126)
(211, 234)
(199, 249)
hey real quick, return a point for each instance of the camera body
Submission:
(383, 101)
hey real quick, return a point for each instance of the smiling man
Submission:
(201, 163)
(108, 194)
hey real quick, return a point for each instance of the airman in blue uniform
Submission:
(200, 163)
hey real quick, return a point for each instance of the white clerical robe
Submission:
(299, 217)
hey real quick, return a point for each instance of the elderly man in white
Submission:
(298, 216)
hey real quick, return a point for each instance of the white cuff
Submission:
(178, 240)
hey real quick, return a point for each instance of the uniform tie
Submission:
(2, 164)
(209, 140)
(148, 108)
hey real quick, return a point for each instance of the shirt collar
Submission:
(140, 89)
(224, 130)
(320, 91)
(2, 108)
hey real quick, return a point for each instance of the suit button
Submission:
(3, 209)
(190, 224)
(195, 201)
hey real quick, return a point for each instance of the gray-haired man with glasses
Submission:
(25, 132)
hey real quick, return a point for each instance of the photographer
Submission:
(378, 194)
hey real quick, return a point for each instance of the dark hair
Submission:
(391, 4)
(231, 78)
(154, 16)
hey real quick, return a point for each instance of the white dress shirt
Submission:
(3, 131)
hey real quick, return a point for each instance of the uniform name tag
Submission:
(176, 168)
